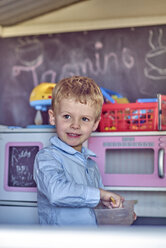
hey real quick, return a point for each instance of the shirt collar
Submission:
(68, 149)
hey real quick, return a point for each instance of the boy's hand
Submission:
(111, 200)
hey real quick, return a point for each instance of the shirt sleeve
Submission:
(51, 181)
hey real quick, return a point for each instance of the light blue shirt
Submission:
(68, 185)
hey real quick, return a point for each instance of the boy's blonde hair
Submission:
(82, 89)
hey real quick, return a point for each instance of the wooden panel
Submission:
(93, 15)
(15, 11)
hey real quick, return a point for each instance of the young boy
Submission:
(68, 181)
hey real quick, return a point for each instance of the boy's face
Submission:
(74, 122)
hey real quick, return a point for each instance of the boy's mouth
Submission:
(73, 135)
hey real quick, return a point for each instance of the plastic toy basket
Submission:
(115, 216)
(129, 117)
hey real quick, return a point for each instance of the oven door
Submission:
(17, 153)
(134, 161)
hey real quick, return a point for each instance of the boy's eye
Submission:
(66, 116)
(85, 119)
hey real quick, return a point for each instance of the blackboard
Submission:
(130, 61)
(20, 166)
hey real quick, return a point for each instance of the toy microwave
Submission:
(131, 159)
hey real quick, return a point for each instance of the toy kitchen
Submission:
(130, 144)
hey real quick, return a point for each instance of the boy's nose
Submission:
(75, 124)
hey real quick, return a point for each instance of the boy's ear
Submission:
(51, 117)
(96, 124)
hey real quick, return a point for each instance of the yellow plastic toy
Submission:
(41, 95)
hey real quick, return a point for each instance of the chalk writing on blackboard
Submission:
(29, 53)
(130, 61)
(155, 70)
(99, 66)
(20, 166)
(96, 67)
